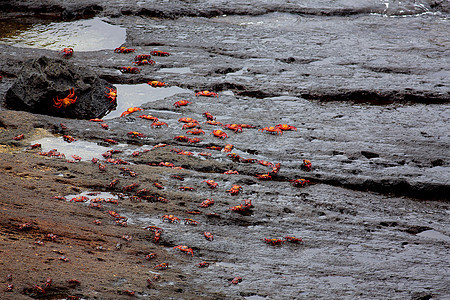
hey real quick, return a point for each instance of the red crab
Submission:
(159, 53)
(144, 62)
(219, 133)
(236, 280)
(69, 138)
(170, 219)
(247, 126)
(209, 116)
(207, 154)
(307, 166)
(186, 188)
(235, 189)
(214, 122)
(181, 103)
(104, 126)
(194, 140)
(66, 52)
(110, 141)
(235, 127)
(300, 182)
(190, 125)
(285, 127)
(19, 137)
(113, 183)
(208, 236)
(195, 131)
(242, 208)
(135, 134)
(124, 50)
(131, 187)
(292, 239)
(149, 117)
(191, 222)
(212, 184)
(187, 120)
(132, 70)
(274, 242)
(273, 130)
(229, 172)
(131, 110)
(203, 264)
(228, 148)
(207, 94)
(150, 256)
(207, 202)
(63, 103)
(156, 83)
(181, 138)
(185, 249)
(162, 266)
(142, 57)
(158, 185)
(276, 168)
(112, 94)
(158, 124)
(265, 163)
(264, 176)
(96, 119)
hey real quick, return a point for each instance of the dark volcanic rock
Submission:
(45, 79)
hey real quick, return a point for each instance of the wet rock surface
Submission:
(373, 219)
(59, 88)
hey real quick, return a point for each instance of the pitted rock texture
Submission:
(44, 79)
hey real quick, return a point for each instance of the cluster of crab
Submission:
(141, 60)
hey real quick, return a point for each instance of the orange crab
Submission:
(112, 94)
(212, 184)
(207, 202)
(264, 176)
(142, 57)
(285, 127)
(149, 117)
(195, 131)
(170, 219)
(156, 83)
(132, 70)
(194, 140)
(181, 138)
(96, 119)
(307, 166)
(229, 172)
(131, 110)
(124, 50)
(236, 280)
(209, 116)
(208, 236)
(144, 62)
(235, 189)
(207, 94)
(187, 120)
(220, 134)
(63, 103)
(190, 125)
(300, 182)
(185, 249)
(292, 239)
(228, 148)
(158, 124)
(213, 122)
(180, 103)
(272, 129)
(191, 222)
(66, 52)
(135, 134)
(235, 127)
(159, 53)
(162, 266)
(186, 188)
(274, 242)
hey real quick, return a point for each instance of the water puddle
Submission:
(86, 150)
(184, 70)
(271, 20)
(433, 234)
(82, 35)
(138, 94)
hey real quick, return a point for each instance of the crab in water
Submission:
(124, 50)
(63, 103)
(158, 124)
(219, 133)
(300, 182)
(159, 53)
(185, 249)
(180, 103)
(112, 94)
(131, 110)
(207, 203)
(207, 94)
(156, 83)
(170, 219)
(272, 130)
(195, 131)
(132, 70)
(67, 52)
(236, 127)
(285, 127)
(212, 184)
